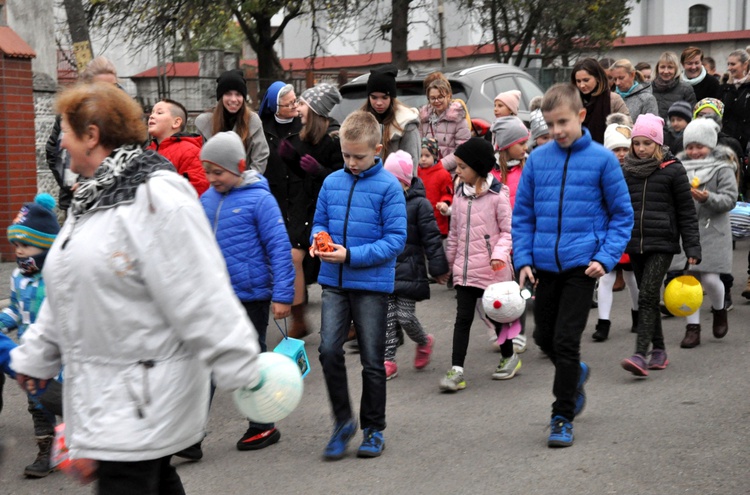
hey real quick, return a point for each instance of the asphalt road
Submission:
(684, 430)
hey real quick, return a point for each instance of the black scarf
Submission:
(663, 86)
(597, 109)
(117, 178)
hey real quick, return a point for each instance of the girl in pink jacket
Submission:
(510, 136)
(478, 250)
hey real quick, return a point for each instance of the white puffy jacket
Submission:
(140, 312)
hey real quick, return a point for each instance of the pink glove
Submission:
(286, 150)
(310, 165)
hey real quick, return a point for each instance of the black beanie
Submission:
(477, 153)
(383, 80)
(231, 80)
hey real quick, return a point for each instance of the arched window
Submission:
(698, 19)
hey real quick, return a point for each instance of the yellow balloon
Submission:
(683, 295)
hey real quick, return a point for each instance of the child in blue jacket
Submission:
(250, 230)
(32, 233)
(363, 209)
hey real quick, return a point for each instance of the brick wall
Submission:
(18, 174)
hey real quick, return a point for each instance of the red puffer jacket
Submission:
(184, 150)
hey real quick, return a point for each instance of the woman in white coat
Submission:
(139, 308)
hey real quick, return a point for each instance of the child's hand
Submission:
(281, 310)
(595, 270)
(497, 265)
(699, 195)
(443, 279)
(338, 255)
(31, 385)
(442, 207)
(525, 274)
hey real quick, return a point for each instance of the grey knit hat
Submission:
(508, 131)
(321, 98)
(681, 109)
(701, 131)
(538, 126)
(225, 150)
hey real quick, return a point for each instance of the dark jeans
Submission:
(258, 312)
(561, 311)
(368, 311)
(466, 303)
(649, 269)
(44, 408)
(155, 477)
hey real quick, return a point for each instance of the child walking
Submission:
(478, 250)
(363, 209)
(422, 240)
(711, 170)
(571, 221)
(660, 195)
(251, 234)
(437, 181)
(32, 233)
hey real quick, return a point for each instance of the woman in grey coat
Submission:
(634, 90)
(711, 170)
(667, 86)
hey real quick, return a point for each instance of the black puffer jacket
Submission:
(737, 112)
(422, 238)
(664, 211)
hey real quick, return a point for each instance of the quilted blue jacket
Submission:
(252, 236)
(572, 207)
(366, 213)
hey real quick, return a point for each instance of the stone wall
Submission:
(44, 118)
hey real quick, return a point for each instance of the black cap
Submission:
(383, 80)
(477, 153)
(231, 80)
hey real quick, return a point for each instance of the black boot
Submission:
(692, 336)
(192, 453)
(602, 331)
(634, 317)
(41, 468)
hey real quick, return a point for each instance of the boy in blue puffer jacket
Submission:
(363, 209)
(250, 230)
(571, 222)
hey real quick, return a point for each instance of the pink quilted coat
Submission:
(449, 129)
(480, 232)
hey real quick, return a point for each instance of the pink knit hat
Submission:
(400, 164)
(510, 99)
(649, 126)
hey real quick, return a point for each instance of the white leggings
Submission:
(604, 293)
(714, 289)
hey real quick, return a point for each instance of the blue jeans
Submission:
(561, 311)
(368, 311)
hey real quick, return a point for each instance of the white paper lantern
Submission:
(279, 394)
(503, 302)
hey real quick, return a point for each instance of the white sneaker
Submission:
(519, 344)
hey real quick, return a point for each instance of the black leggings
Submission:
(650, 269)
(466, 298)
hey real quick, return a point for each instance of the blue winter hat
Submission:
(36, 223)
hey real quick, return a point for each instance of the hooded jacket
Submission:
(438, 188)
(449, 129)
(252, 236)
(480, 232)
(184, 150)
(407, 139)
(572, 207)
(641, 101)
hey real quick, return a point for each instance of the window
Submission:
(698, 19)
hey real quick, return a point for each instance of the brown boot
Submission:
(692, 337)
(619, 281)
(299, 328)
(720, 325)
(746, 292)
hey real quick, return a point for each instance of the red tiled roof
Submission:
(666, 39)
(13, 46)
(174, 69)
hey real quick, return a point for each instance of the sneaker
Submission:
(580, 392)
(372, 445)
(391, 370)
(452, 381)
(561, 432)
(519, 344)
(422, 358)
(507, 368)
(342, 434)
(635, 364)
(658, 360)
(256, 438)
(192, 453)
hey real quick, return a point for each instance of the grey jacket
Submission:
(641, 101)
(255, 144)
(664, 99)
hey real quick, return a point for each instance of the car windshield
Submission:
(410, 94)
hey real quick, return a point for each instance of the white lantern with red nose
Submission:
(503, 302)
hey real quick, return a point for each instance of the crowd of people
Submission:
(623, 177)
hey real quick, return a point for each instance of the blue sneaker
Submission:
(342, 433)
(580, 392)
(372, 445)
(561, 432)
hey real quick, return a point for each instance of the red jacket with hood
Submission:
(184, 150)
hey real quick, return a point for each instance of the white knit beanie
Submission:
(617, 136)
(701, 131)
